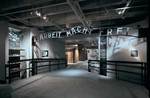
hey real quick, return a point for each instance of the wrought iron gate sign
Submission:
(78, 30)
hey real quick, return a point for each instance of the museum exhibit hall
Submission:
(74, 49)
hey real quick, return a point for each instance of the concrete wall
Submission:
(122, 50)
(55, 47)
(119, 49)
(3, 48)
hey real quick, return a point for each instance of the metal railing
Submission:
(35, 66)
(122, 70)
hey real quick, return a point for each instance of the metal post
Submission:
(142, 68)
(89, 70)
(49, 65)
(9, 74)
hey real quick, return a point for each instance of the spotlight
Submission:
(31, 13)
(44, 17)
(37, 13)
(120, 12)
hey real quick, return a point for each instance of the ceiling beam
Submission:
(65, 9)
(122, 11)
(56, 25)
(21, 21)
(23, 3)
(32, 9)
(27, 23)
(74, 4)
(92, 17)
(29, 16)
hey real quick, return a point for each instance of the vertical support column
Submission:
(34, 70)
(142, 73)
(33, 67)
(103, 53)
(148, 62)
(4, 42)
(66, 65)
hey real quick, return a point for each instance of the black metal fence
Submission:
(122, 70)
(35, 66)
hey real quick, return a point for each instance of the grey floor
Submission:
(75, 83)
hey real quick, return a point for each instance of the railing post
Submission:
(34, 67)
(66, 63)
(142, 79)
(116, 70)
(145, 74)
(89, 70)
(99, 62)
(9, 74)
(49, 65)
(58, 67)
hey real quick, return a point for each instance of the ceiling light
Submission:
(44, 17)
(37, 13)
(120, 12)
(31, 13)
(123, 8)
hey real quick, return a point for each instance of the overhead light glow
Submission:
(119, 12)
(44, 17)
(31, 13)
(122, 8)
(37, 13)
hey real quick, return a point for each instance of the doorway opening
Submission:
(79, 51)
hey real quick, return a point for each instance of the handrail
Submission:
(38, 59)
(36, 64)
(132, 62)
(123, 64)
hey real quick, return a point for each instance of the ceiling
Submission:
(56, 15)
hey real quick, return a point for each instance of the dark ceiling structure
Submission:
(56, 15)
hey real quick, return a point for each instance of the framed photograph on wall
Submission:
(134, 53)
(44, 53)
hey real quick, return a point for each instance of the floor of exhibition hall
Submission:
(75, 82)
